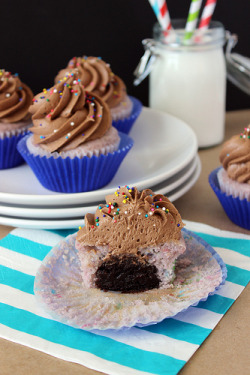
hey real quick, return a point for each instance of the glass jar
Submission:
(189, 80)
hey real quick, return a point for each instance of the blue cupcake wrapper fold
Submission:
(238, 210)
(125, 125)
(9, 155)
(78, 174)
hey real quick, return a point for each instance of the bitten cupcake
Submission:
(15, 100)
(97, 77)
(231, 183)
(73, 148)
(131, 243)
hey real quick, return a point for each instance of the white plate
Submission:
(76, 222)
(42, 212)
(163, 145)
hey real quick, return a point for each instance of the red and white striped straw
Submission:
(166, 22)
(162, 14)
(207, 14)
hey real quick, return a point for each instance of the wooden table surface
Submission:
(226, 350)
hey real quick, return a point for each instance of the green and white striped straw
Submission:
(192, 19)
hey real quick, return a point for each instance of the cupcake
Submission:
(131, 243)
(74, 147)
(231, 182)
(97, 77)
(15, 100)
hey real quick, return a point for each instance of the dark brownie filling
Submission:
(127, 274)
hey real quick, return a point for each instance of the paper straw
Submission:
(207, 14)
(192, 19)
(162, 14)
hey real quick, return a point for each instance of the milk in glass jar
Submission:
(189, 80)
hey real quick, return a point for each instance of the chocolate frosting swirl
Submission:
(131, 220)
(97, 77)
(66, 116)
(235, 156)
(15, 98)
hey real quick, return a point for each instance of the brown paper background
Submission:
(226, 350)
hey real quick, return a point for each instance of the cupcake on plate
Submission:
(15, 100)
(74, 147)
(231, 182)
(131, 243)
(97, 77)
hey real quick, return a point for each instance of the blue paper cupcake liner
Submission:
(9, 156)
(238, 210)
(76, 175)
(125, 125)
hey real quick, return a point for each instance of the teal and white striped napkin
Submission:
(163, 348)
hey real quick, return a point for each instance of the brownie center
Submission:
(127, 274)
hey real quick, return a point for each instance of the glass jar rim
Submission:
(212, 37)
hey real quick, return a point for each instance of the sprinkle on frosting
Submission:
(97, 77)
(235, 156)
(136, 223)
(15, 98)
(66, 121)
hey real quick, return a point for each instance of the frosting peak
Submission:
(235, 156)
(66, 116)
(15, 98)
(97, 77)
(131, 220)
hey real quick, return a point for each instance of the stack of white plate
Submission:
(164, 158)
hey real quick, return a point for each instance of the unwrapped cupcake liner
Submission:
(238, 210)
(58, 287)
(78, 174)
(9, 155)
(125, 125)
